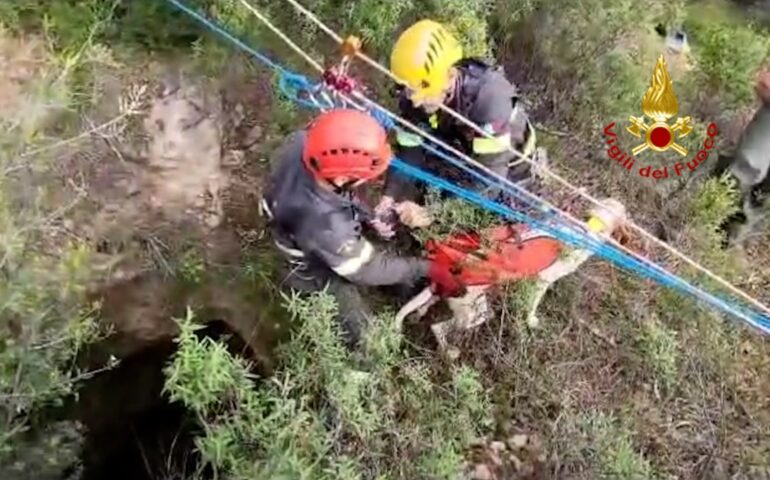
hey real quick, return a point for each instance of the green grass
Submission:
(728, 50)
(395, 410)
(46, 318)
(659, 349)
(320, 403)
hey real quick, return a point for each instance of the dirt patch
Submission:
(151, 202)
(21, 60)
(520, 457)
(175, 220)
(185, 153)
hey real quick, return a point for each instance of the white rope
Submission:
(283, 36)
(581, 192)
(484, 168)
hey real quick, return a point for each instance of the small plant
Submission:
(660, 350)
(452, 215)
(614, 448)
(192, 266)
(517, 300)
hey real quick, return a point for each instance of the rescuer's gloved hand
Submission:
(413, 215)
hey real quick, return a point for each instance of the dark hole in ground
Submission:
(133, 431)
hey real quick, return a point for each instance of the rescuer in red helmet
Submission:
(317, 223)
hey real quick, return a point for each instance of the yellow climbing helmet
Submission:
(423, 56)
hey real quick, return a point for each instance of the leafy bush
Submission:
(320, 416)
(729, 52)
(45, 317)
(660, 350)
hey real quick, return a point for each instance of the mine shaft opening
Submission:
(133, 431)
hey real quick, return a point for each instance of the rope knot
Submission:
(339, 81)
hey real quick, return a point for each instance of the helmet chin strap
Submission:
(345, 187)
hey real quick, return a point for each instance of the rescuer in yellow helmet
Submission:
(429, 61)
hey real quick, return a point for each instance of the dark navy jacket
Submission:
(324, 229)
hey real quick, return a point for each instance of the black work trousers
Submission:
(353, 311)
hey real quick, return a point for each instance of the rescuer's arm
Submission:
(340, 245)
(497, 111)
(408, 147)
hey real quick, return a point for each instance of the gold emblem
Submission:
(660, 104)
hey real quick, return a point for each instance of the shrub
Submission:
(729, 52)
(320, 416)
(45, 318)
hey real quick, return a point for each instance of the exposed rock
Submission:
(481, 472)
(184, 161)
(254, 135)
(517, 441)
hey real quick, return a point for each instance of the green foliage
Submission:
(42, 454)
(320, 416)
(192, 266)
(616, 454)
(452, 215)
(468, 20)
(518, 298)
(376, 22)
(137, 24)
(621, 95)
(509, 14)
(598, 63)
(729, 52)
(716, 200)
(149, 25)
(382, 413)
(713, 203)
(203, 374)
(660, 351)
(45, 316)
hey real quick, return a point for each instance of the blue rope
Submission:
(384, 119)
(643, 268)
(388, 123)
(291, 84)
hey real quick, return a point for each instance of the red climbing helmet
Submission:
(346, 143)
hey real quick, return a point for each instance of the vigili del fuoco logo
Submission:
(659, 105)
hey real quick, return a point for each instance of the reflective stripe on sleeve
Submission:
(407, 139)
(292, 252)
(529, 146)
(264, 209)
(484, 145)
(353, 264)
